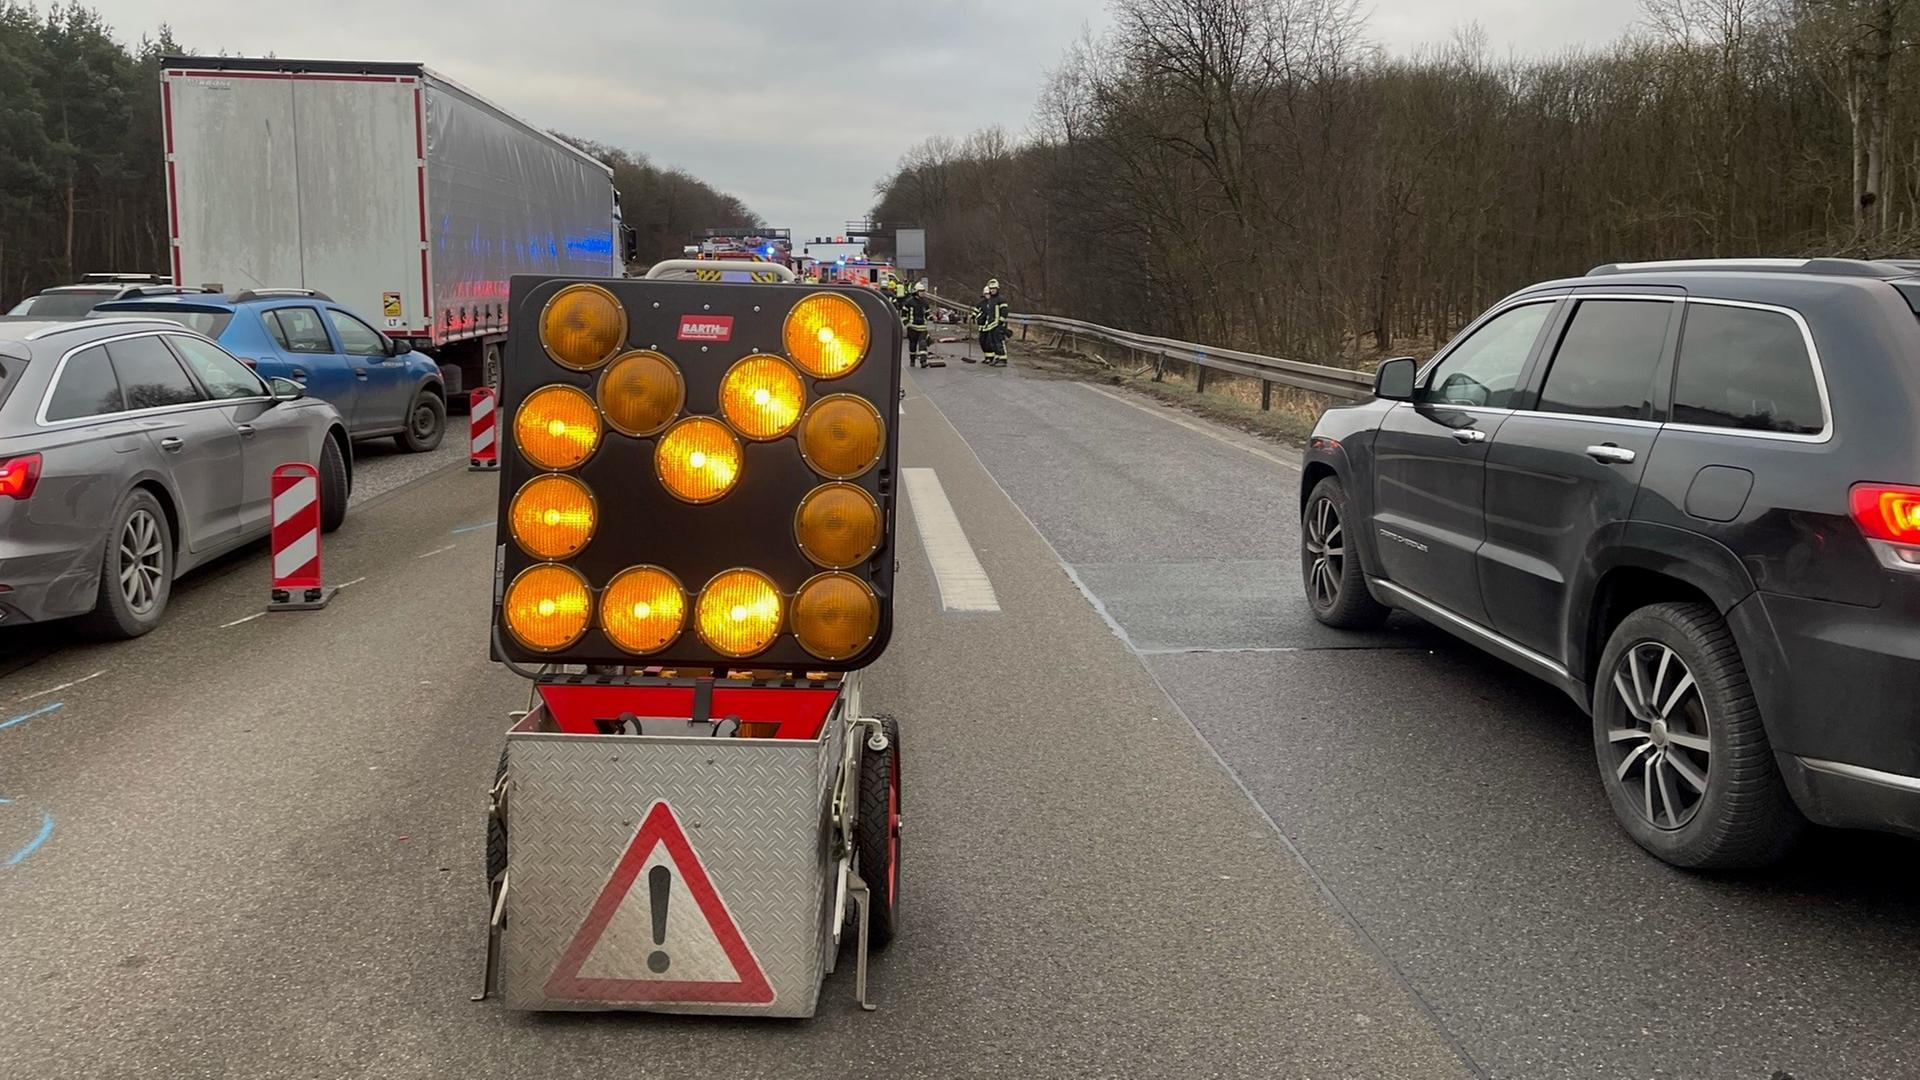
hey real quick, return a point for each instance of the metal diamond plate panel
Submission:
(755, 812)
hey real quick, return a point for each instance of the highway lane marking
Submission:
(63, 686)
(957, 572)
(473, 528)
(46, 830)
(245, 618)
(350, 584)
(50, 707)
(436, 551)
(1214, 435)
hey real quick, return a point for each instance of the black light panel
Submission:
(697, 474)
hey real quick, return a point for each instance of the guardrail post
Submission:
(1199, 377)
(1266, 395)
(1160, 366)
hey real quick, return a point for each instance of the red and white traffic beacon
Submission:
(694, 562)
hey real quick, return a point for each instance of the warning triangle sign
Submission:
(659, 932)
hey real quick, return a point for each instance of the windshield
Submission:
(59, 305)
(209, 323)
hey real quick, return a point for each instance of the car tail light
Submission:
(18, 476)
(1888, 512)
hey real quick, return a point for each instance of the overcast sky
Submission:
(798, 107)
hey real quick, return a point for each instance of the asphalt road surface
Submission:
(1159, 823)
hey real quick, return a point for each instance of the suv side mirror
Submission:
(1394, 381)
(286, 389)
(399, 346)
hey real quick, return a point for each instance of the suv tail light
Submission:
(1888, 512)
(18, 476)
(1889, 515)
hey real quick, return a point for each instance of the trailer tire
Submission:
(496, 833)
(878, 834)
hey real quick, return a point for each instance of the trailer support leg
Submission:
(492, 968)
(863, 896)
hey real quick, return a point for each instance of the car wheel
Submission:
(426, 423)
(136, 573)
(1336, 584)
(335, 485)
(1682, 750)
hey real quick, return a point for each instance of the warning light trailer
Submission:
(694, 564)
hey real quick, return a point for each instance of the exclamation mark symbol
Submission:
(659, 886)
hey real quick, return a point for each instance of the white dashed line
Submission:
(351, 584)
(63, 686)
(956, 569)
(237, 622)
(1214, 435)
(436, 551)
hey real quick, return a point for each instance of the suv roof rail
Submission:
(1860, 268)
(245, 295)
(171, 290)
(111, 278)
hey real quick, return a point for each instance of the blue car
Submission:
(379, 385)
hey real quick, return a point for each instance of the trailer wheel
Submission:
(496, 833)
(878, 833)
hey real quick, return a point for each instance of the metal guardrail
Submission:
(1270, 370)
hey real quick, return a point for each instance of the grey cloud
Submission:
(796, 107)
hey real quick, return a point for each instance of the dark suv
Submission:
(1688, 494)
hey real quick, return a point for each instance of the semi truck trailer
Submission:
(386, 186)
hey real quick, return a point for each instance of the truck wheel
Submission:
(496, 833)
(136, 573)
(878, 833)
(1682, 751)
(426, 424)
(1330, 569)
(490, 366)
(335, 485)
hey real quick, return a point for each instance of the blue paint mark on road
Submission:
(43, 710)
(46, 830)
(473, 528)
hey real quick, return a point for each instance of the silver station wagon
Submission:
(132, 451)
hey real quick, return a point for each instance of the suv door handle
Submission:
(246, 430)
(299, 373)
(360, 373)
(1469, 435)
(171, 445)
(1609, 454)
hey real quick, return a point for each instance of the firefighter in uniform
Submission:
(914, 310)
(992, 319)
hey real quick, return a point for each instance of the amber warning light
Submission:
(697, 475)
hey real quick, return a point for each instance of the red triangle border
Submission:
(660, 826)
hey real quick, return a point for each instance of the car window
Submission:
(1484, 369)
(1606, 359)
(86, 387)
(210, 323)
(150, 375)
(298, 329)
(356, 337)
(224, 377)
(1748, 369)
